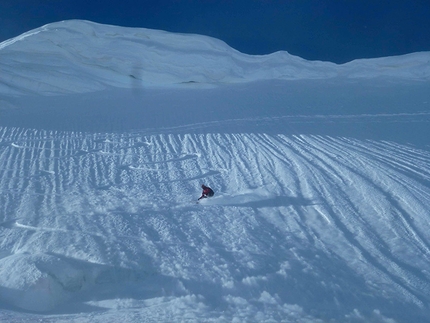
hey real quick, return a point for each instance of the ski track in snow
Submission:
(119, 210)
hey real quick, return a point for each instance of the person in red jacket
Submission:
(207, 192)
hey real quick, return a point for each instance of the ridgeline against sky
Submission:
(312, 29)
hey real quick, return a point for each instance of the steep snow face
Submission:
(321, 176)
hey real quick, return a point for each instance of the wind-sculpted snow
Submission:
(299, 224)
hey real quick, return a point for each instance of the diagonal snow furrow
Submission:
(352, 229)
(287, 209)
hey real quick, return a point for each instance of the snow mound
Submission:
(44, 281)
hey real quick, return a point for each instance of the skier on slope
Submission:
(207, 192)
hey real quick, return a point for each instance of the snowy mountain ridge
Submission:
(81, 56)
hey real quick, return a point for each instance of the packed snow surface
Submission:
(321, 175)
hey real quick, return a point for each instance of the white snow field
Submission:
(321, 175)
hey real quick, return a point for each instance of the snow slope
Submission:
(321, 174)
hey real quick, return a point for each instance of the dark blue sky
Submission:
(330, 30)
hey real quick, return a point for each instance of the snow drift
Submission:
(321, 174)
